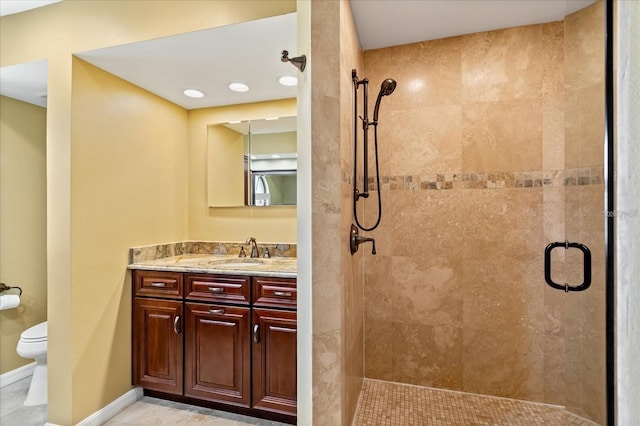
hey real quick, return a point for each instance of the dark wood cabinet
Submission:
(220, 339)
(218, 288)
(157, 344)
(274, 292)
(274, 360)
(217, 353)
(158, 284)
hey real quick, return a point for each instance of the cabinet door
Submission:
(217, 353)
(157, 344)
(274, 360)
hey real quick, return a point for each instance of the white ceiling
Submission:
(9, 7)
(383, 23)
(26, 82)
(250, 52)
(209, 60)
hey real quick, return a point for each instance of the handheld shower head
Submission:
(387, 88)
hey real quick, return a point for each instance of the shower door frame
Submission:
(610, 230)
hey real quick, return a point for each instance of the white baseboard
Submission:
(106, 413)
(18, 374)
(96, 419)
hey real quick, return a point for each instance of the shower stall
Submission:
(491, 149)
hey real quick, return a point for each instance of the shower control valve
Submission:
(355, 240)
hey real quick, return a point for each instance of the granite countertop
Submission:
(282, 267)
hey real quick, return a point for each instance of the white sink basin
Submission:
(236, 263)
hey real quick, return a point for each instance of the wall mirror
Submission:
(252, 163)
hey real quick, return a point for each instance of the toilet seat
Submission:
(35, 334)
(33, 341)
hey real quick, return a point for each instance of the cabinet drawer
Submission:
(219, 288)
(274, 292)
(158, 284)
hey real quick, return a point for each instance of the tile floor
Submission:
(394, 404)
(145, 411)
(381, 403)
(157, 412)
(12, 409)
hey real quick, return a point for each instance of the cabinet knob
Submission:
(282, 293)
(216, 289)
(158, 284)
(216, 311)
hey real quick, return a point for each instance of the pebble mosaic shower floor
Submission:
(381, 404)
(393, 404)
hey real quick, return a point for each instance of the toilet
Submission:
(33, 344)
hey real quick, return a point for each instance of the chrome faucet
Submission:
(254, 247)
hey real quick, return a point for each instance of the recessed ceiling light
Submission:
(288, 80)
(238, 87)
(193, 93)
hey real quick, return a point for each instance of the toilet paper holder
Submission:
(4, 287)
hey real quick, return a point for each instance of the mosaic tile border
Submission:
(487, 180)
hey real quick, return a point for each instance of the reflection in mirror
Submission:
(225, 163)
(253, 163)
(272, 162)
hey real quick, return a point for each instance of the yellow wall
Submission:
(269, 143)
(128, 186)
(82, 274)
(225, 166)
(273, 224)
(23, 221)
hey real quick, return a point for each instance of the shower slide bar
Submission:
(587, 266)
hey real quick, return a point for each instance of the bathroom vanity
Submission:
(217, 331)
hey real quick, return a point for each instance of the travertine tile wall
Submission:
(328, 381)
(476, 173)
(338, 304)
(351, 57)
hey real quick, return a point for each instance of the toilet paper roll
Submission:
(9, 301)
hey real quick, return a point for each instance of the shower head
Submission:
(387, 88)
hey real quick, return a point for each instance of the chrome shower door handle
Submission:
(586, 266)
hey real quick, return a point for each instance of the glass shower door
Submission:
(580, 256)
